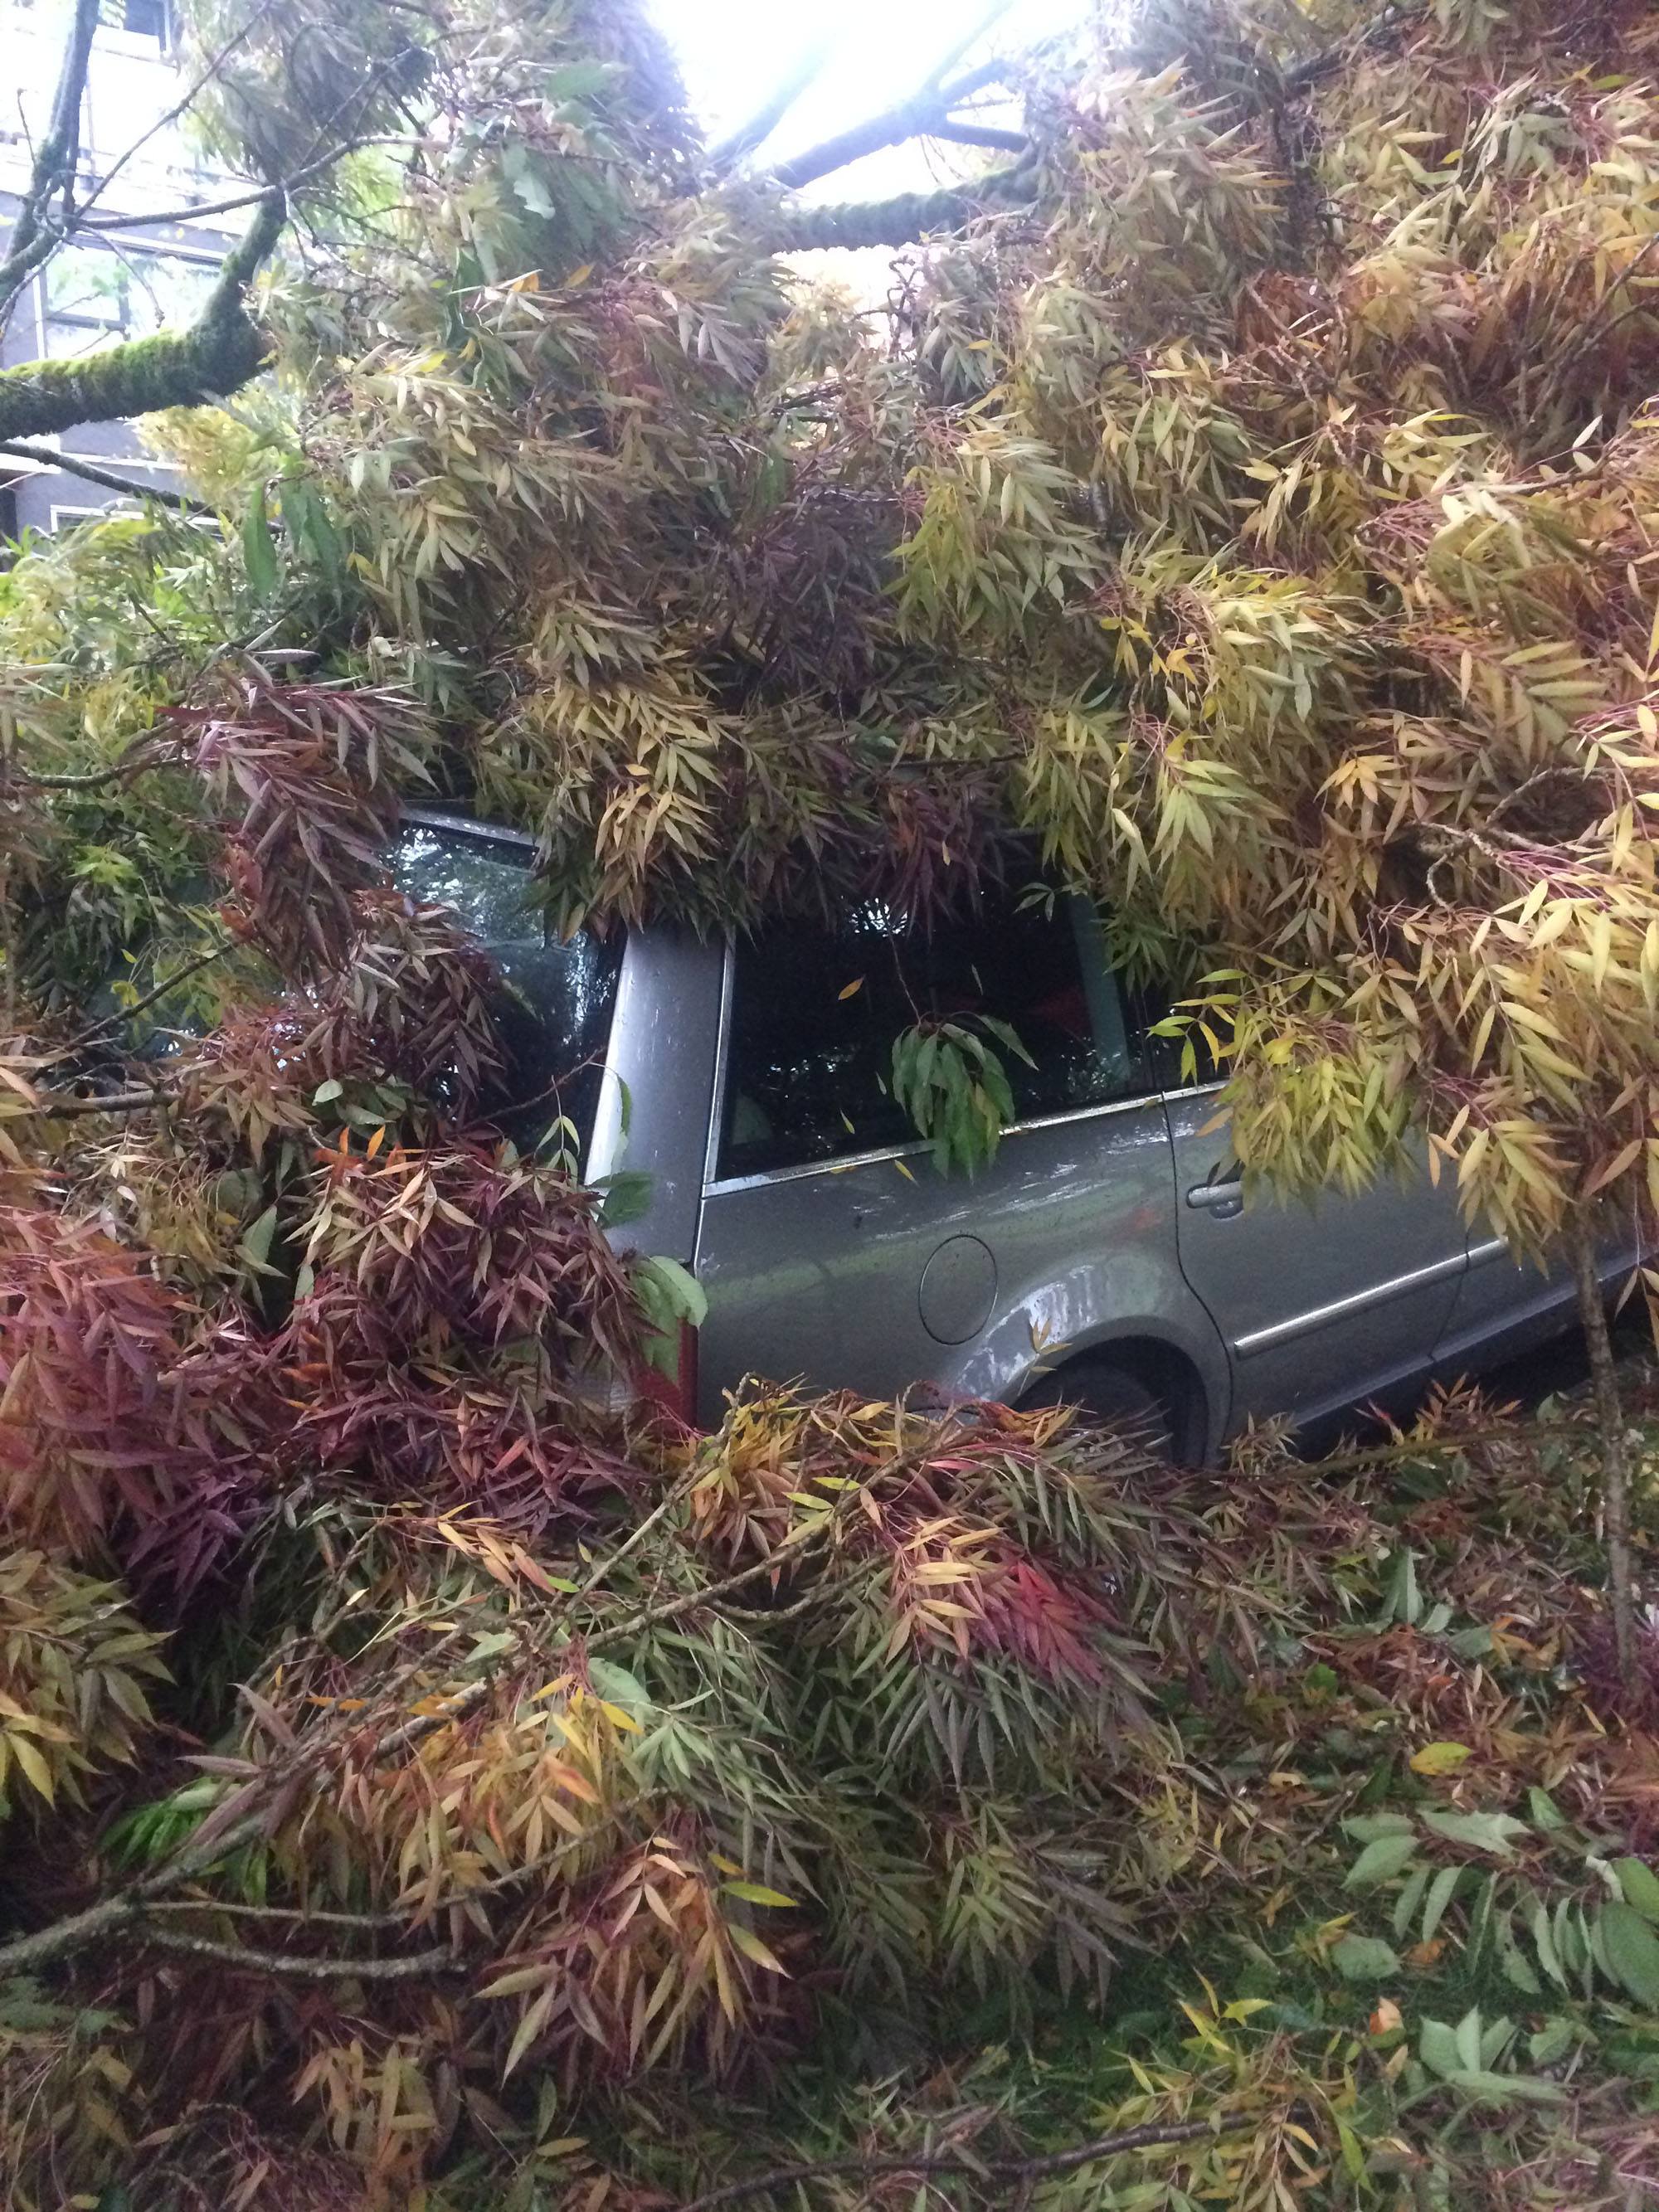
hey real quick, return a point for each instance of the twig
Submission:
(999, 2169)
(79, 1042)
(375, 1921)
(109, 1101)
(296, 1968)
(172, 114)
(49, 457)
(33, 239)
(638, 1535)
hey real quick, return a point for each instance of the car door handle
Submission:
(1223, 1198)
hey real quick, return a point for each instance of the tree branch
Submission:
(171, 115)
(922, 2163)
(759, 127)
(49, 457)
(294, 1966)
(912, 116)
(33, 237)
(979, 134)
(990, 13)
(238, 1821)
(219, 353)
(900, 221)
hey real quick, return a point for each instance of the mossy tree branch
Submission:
(902, 220)
(218, 355)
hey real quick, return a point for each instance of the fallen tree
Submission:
(1249, 502)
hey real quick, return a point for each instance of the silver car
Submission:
(1108, 1255)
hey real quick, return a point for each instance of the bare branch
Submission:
(107, 1102)
(990, 13)
(33, 236)
(48, 457)
(766, 117)
(165, 121)
(910, 118)
(294, 1966)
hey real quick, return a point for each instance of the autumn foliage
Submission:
(432, 1776)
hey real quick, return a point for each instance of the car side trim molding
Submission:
(1262, 1339)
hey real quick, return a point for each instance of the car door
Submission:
(1323, 1301)
(830, 1246)
(1505, 1305)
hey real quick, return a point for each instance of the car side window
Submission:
(553, 1017)
(816, 1011)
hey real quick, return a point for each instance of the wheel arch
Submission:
(1172, 1376)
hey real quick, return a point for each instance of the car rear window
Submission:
(815, 1013)
(555, 1011)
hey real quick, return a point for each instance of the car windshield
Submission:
(555, 1014)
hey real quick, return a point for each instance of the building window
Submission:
(92, 295)
(143, 19)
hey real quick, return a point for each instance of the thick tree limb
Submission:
(900, 221)
(219, 353)
(33, 236)
(1013, 2170)
(47, 457)
(958, 133)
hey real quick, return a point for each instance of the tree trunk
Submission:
(1610, 1421)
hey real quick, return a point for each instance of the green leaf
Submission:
(625, 1197)
(255, 1247)
(1365, 1828)
(1639, 1886)
(260, 548)
(1440, 1896)
(617, 1686)
(1436, 2046)
(1380, 1861)
(1364, 1958)
(1481, 1832)
(754, 1892)
(1631, 1949)
(1551, 2042)
(1405, 1905)
(1505, 2088)
(325, 1092)
(1546, 1813)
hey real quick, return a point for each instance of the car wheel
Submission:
(1112, 1396)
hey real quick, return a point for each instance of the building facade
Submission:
(143, 262)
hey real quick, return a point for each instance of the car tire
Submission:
(1111, 1395)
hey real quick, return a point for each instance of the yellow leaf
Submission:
(1440, 1757)
(904, 1172)
(850, 989)
(752, 1947)
(28, 1758)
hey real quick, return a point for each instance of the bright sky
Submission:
(733, 52)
